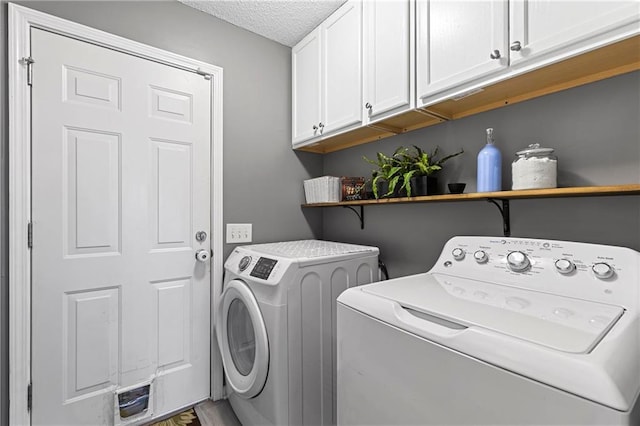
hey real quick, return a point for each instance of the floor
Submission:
(218, 413)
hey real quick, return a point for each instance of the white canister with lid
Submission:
(535, 168)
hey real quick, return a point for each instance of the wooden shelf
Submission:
(581, 191)
(499, 199)
(608, 61)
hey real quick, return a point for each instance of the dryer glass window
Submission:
(242, 340)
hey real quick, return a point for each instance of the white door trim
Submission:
(21, 20)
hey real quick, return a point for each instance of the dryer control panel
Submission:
(263, 268)
(267, 270)
(600, 273)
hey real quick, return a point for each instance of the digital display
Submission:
(263, 268)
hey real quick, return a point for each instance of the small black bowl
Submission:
(456, 188)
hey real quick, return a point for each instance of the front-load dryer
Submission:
(275, 327)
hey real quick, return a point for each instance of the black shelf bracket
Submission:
(360, 215)
(504, 211)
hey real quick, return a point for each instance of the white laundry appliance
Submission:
(501, 331)
(276, 327)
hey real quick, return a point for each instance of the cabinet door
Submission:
(456, 40)
(566, 28)
(388, 42)
(306, 80)
(342, 55)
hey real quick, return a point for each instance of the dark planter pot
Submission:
(424, 185)
(383, 188)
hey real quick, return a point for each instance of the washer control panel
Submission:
(518, 261)
(597, 272)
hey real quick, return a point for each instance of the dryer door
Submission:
(242, 339)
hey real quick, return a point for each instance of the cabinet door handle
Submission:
(515, 46)
(495, 54)
(368, 106)
(321, 126)
(315, 127)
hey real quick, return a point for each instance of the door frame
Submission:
(21, 20)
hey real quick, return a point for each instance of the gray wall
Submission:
(262, 175)
(595, 130)
(596, 133)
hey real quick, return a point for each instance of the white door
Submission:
(306, 78)
(388, 57)
(456, 41)
(120, 186)
(540, 27)
(342, 76)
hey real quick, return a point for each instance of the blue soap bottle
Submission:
(489, 166)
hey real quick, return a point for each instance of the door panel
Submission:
(89, 87)
(172, 305)
(92, 191)
(171, 188)
(120, 186)
(91, 338)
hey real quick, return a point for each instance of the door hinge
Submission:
(30, 235)
(29, 397)
(28, 61)
(206, 75)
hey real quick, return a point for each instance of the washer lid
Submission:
(313, 251)
(561, 323)
(310, 248)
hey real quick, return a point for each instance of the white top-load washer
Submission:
(275, 327)
(501, 331)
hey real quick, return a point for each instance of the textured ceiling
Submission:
(284, 21)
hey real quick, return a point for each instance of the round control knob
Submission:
(458, 253)
(602, 270)
(565, 266)
(244, 262)
(518, 261)
(481, 256)
(202, 255)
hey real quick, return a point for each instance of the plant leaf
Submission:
(442, 160)
(374, 185)
(392, 185)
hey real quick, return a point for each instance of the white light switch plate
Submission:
(238, 233)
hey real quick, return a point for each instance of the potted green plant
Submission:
(392, 175)
(406, 172)
(425, 165)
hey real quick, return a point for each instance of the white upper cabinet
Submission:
(459, 41)
(306, 74)
(554, 27)
(342, 47)
(388, 47)
(376, 68)
(466, 45)
(327, 76)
